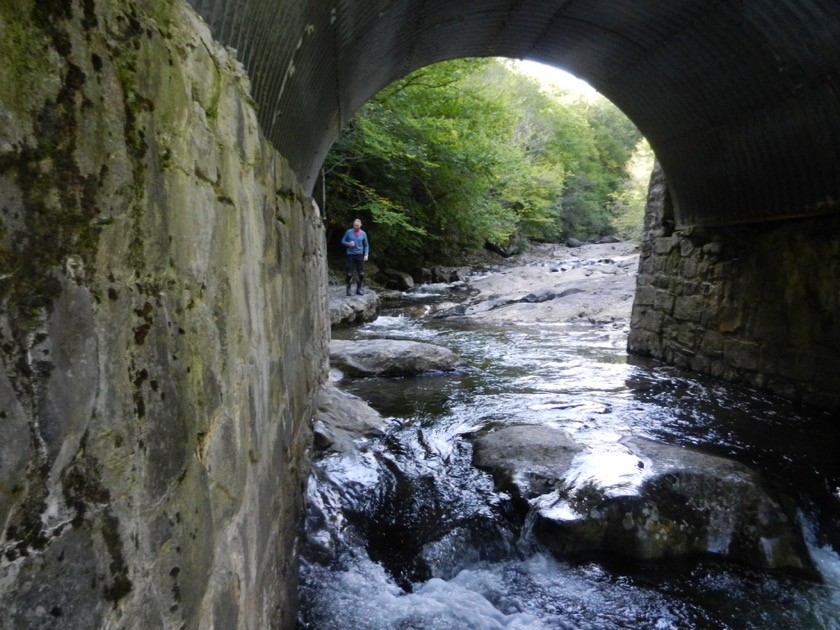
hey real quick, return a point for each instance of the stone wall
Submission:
(753, 304)
(163, 327)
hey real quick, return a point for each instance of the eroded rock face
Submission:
(161, 345)
(390, 357)
(645, 500)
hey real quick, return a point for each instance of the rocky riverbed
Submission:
(540, 479)
(591, 283)
(594, 284)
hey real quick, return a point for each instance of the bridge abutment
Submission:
(163, 328)
(756, 304)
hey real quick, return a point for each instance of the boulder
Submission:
(390, 357)
(441, 273)
(399, 280)
(610, 238)
(341, 419)
(352, 310)
(643, 500)
(448, 309)
(421, 275)
(527, 460)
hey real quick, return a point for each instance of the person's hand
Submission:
(352, 243)
(365, 258)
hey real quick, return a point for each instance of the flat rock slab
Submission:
(594, 283)
(390, 357)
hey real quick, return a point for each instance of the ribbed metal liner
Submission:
(739, 98)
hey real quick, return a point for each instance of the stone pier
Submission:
(755, 304)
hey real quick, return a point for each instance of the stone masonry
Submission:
(755, 304)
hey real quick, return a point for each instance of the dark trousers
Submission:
(357, 262)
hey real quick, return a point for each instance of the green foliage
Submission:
(468, 152)
(628, 208)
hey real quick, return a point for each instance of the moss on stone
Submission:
(27, 53)
(85, 493)
(59, 207)
(25, 530)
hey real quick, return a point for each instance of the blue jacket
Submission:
(361, 242)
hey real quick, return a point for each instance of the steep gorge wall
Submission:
(162, 327)
(754, 304)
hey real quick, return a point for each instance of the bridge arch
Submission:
(740, 99)
(162, 303)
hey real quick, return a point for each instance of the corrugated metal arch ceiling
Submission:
(739, 98)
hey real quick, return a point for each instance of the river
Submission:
(424, 540)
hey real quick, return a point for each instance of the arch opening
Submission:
(475, 154)
(738, 101)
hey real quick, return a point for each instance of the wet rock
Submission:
(526, 460)
(352, 310)
(644, 500)
(692, 502)
(390, 357)
(441, 273)
(542, 296)
(479, 307)
(463, 547)
(342, 418)
(611, 238)
(320, 546)
(398, 280)
(447, 309)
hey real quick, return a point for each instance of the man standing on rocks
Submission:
(356, 242)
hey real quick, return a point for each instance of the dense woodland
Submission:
(470, 153)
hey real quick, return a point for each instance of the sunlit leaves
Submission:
(467, 152)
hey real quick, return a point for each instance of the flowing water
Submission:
(407, 534)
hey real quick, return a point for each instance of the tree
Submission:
(468, 152)
(628, 208)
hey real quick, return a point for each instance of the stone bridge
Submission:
(163, 324)
(739, 99)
